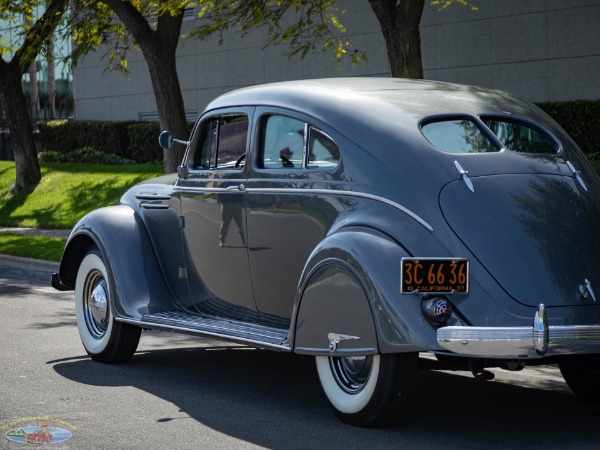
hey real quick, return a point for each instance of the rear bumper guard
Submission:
(520, 342)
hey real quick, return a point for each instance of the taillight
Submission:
(436, 310)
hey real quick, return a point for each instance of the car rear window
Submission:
(464, 135)
(457, 136)
(520, 137)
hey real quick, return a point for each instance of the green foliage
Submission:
(137, 141)
(66, 192)
(68, 135)
(580, 119)
(85, 155)
(443, 4)
(143, 142)
(28, 36)
(92, 26)
(314, 22)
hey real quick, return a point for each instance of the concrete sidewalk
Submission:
(28, 268)
(36, 232)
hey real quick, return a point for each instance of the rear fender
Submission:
(122, 239)
(351, 288)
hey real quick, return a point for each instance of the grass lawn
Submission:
(37, 247)
(65, 194)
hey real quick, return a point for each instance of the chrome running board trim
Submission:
(205, 325)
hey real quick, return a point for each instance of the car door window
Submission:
(285, 145)
(224, 143)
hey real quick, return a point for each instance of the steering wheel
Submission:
(239, 160)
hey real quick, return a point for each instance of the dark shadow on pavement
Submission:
(254, 395)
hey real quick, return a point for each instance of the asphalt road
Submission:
(180, 392)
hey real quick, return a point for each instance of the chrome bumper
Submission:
(520, 342)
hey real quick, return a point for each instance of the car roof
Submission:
(411, 100)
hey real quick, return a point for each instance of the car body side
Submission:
(356, 221)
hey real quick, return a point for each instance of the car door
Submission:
(213, 210)
(287, 212)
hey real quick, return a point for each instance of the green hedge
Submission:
(84, 155)
(579, 118)
(137, 141)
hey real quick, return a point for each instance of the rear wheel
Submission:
(368, 390)
(104, 338)
(583, 377)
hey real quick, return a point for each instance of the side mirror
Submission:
(165, 140)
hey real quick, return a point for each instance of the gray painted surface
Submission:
(539, 50)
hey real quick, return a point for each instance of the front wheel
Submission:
(583, 377)
(368, 390)
(104, 338)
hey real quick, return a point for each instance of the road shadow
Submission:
(274, 400)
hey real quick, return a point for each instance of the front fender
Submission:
(122, 239)
(330, 303)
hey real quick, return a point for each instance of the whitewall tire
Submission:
(368, 390)
(104, 338)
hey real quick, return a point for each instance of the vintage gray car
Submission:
(362, 221)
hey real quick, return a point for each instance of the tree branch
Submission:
(38, 34)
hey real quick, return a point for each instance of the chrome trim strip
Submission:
(152, 196)
(215, 334)
(377, 198)
(153, 205)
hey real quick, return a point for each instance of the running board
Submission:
(218, 327)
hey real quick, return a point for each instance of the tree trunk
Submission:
(169, 102)
(399, 20)
(12, 101)
(159, 47)
(34, 101)
(51, 77)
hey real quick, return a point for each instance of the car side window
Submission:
(283, 142)
(322, 150)
(285, 145)
(457, 136)
(224, 143)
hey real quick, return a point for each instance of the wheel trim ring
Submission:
(349, 379)
(91, 313)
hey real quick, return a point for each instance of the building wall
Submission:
(537, 49)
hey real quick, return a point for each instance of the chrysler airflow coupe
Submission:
(363, 222)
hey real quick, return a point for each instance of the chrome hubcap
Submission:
(95, 304)
(351, 372)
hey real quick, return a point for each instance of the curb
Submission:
(27, 268)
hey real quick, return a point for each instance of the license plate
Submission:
(434, 275)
